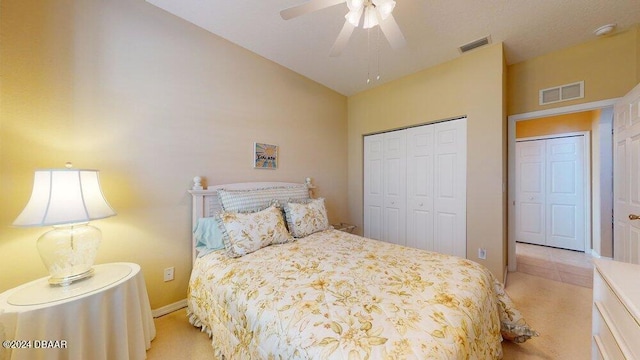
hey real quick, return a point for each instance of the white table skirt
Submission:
(107, 316)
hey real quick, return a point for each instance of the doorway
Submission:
(605, 107)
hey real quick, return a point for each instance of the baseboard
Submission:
(169, 308)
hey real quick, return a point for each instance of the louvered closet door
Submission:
(395, 187)
(373, 186)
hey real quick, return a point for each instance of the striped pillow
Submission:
(257, 199)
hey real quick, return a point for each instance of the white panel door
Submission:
(373, 186)
(420, 148)
(394, 187)
(450, 187)
(565, 180)
(626, 173)
(620, 190)
(530, 192)
(415, 187)
(551, 187)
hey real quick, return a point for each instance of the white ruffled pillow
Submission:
(307, 218)
(244, 233)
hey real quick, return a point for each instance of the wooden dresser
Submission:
(616, 310)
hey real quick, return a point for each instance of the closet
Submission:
(551, 192)
(415, 187)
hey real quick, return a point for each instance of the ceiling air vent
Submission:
(562, 93)
(475, 44)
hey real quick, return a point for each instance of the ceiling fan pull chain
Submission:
(378, 53)
(368, 56)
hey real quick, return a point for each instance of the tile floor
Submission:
(567, 266)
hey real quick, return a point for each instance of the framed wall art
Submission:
(265, 156)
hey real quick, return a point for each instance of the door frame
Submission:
(586, 179)
(511, 160)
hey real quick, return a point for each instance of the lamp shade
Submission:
(64, 196)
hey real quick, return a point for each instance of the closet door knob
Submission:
(420, 204)
(634, 217)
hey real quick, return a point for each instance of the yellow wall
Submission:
(573, 122)
(471, 85)
(609, 66)
(637, 53)
(151, 101)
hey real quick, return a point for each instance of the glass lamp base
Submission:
(67, 280)
(68, 252)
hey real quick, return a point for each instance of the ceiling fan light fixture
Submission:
(385, 7)
(369, 13)
(353, 17)
(355, 5)
(370, 17)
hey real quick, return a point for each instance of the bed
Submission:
(320, 293)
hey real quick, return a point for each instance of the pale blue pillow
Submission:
(208, 236)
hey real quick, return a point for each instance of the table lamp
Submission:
(66, 199)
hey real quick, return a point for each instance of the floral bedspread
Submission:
(335, 295)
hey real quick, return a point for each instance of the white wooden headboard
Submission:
(205, 202)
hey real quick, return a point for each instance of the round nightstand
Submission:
(106, 316)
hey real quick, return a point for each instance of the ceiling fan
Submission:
(370, 13)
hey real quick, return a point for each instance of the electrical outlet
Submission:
(168, 273)
(482, 253)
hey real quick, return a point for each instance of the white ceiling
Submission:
(434, 29)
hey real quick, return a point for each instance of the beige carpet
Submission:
(560, 312)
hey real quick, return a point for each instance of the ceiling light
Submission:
(353, 16)
(604, 29)
(374, 11)
(355, 4)
(369, 13)
(370, 17)
(385, 7)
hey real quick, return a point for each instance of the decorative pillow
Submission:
(513, 327)
(306, 218)
(244, 233)
(252, 200)
(208, 236)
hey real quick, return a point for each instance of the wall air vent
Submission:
(475, 44)
(562, 93)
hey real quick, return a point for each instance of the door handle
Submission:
(634, 217)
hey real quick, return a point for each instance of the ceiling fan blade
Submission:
(342, 40)
(392, 32)
(309, 6)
